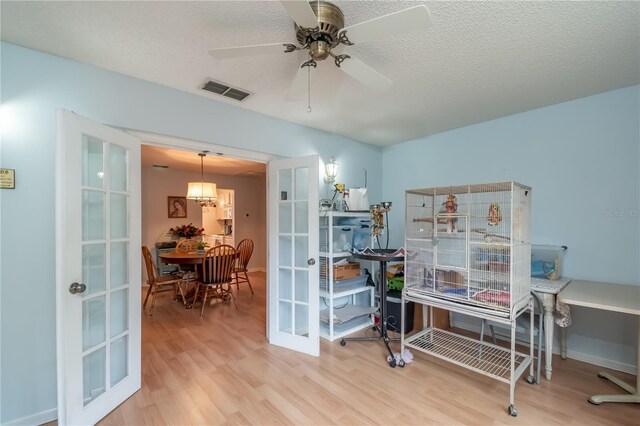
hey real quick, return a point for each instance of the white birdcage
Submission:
(468, 250)
(470, 244)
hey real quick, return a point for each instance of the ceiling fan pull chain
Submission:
(308, 89)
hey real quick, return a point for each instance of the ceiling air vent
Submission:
(225, 90)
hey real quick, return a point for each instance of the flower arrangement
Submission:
(186, 231)
(201, 245)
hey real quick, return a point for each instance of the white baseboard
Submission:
(602, 362)
(35, 419)
(578, 356)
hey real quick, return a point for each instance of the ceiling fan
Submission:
(321, 32)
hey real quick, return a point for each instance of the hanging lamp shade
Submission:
(203, 193)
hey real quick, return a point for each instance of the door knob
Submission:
(77, 288)
(311, 261)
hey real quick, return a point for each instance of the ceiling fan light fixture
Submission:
(330, 22)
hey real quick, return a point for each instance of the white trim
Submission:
(250, 270)
(35, 419)
(60, 193)
(190, 145)
(602, 362)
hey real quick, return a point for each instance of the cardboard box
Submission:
(449, 279)
(392, 270)
(345, 272)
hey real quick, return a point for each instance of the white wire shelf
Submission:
(482, 357)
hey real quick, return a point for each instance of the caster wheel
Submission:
(343, 342)
(531, 380)
(512, 411)
(401, 364)
(392, 364)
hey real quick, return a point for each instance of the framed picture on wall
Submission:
(177, 207)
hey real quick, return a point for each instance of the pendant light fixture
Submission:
(203, 193)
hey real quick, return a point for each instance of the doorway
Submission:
(238, 213)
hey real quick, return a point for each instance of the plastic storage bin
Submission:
(546, 261)
(342, 239)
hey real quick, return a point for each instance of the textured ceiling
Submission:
(478, 61)
(187, 160)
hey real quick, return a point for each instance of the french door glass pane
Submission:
(119, 264)
(119, 215)
(119, 311)
(93, 215)
(302, 217)
(302, 184)
(119, 359)
(284, 218)
(302, 286)
(92, 162)
(285, 317)
(302, 319)
(118, 168)
(285, 250)
(93, 271)
(301, 251)
(284, 184)
(285, 286)
(93, 322)
(94, 375)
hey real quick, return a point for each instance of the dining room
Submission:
(235, 215)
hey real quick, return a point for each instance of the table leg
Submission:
(634, 396)
(563, 342)
(548, 304)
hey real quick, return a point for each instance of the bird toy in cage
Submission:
(495, 216)
(451, 206)
(377, 216)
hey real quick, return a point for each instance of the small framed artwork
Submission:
(177, 207)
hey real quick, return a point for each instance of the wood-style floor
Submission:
(221, 370)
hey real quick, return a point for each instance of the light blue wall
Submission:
(33, 86)
(582, 159)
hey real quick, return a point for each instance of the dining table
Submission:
(183, 259)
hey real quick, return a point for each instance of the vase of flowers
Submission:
(201, 246)
(186, 231)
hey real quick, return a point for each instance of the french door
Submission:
(293, 294)
(97, 268)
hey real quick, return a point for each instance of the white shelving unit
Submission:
(345, 305)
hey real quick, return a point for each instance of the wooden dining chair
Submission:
(244, 250)
(187, 272)
(215, 275)
(158, 283)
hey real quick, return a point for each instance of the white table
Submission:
(609, 297)
(547, 290)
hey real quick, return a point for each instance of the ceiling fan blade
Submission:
(299, 85)
(301, 13)
(365, 74)
(253, 50)
(402, 22)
